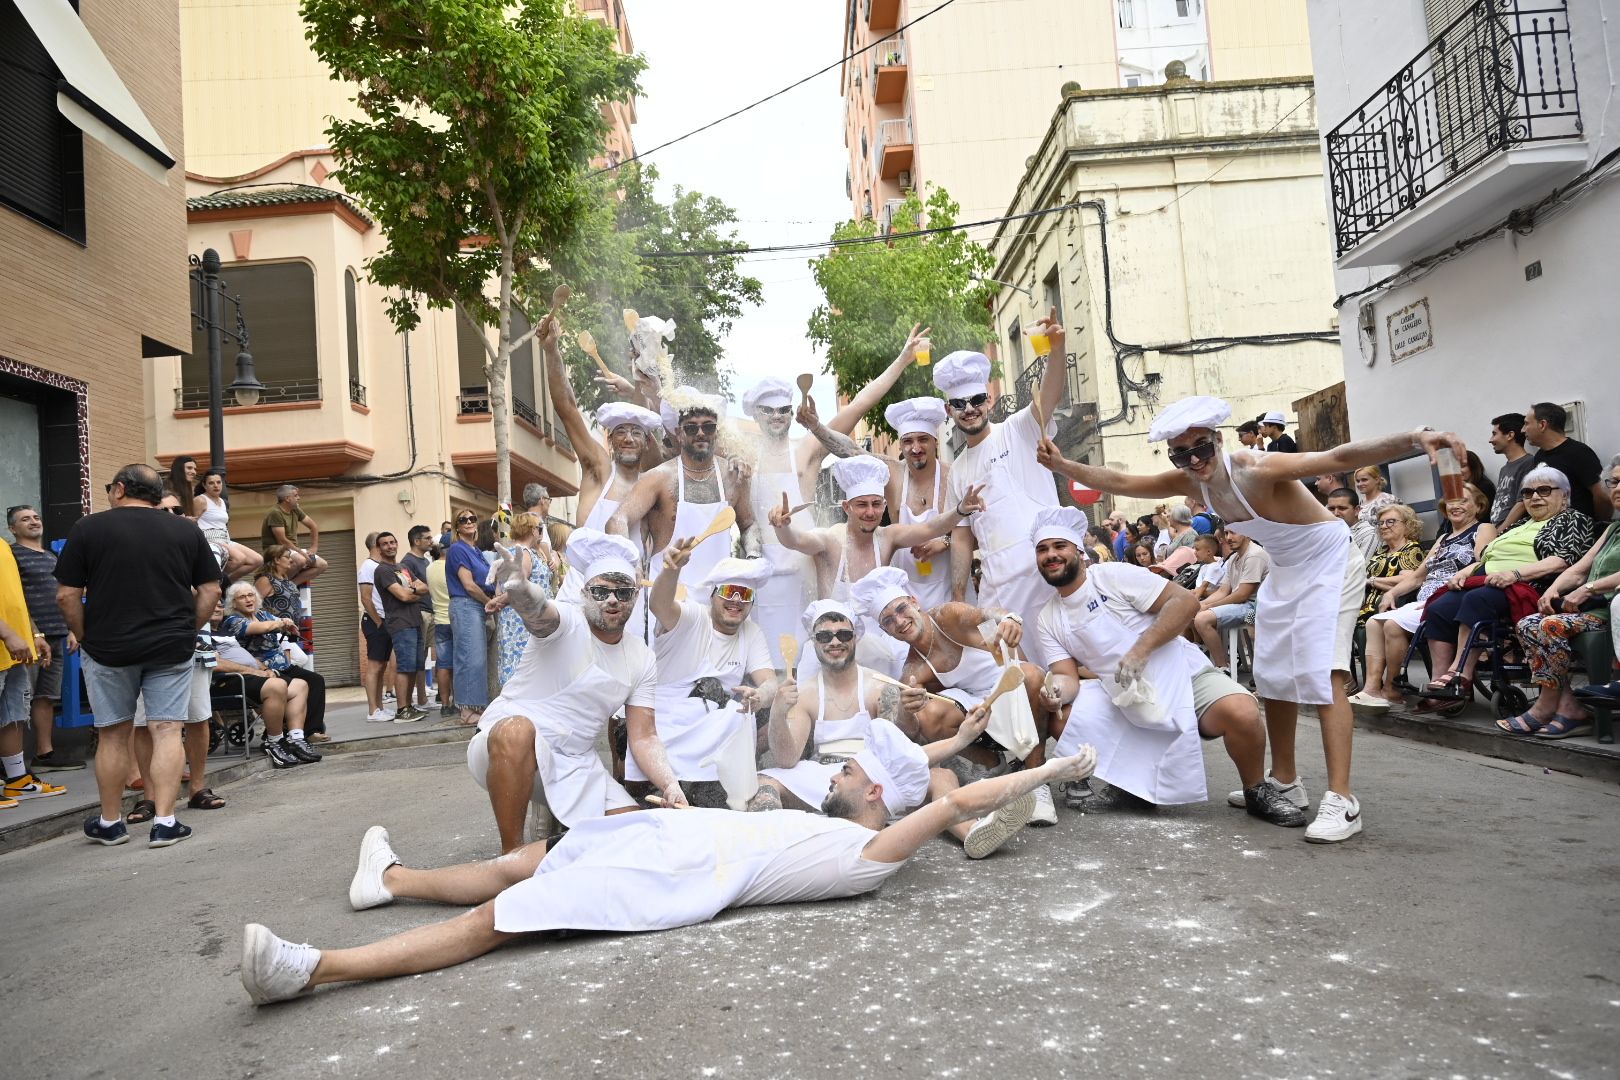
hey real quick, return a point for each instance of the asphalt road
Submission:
(1472, 930)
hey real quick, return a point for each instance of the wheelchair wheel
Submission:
(1509, 701)
(236, 733)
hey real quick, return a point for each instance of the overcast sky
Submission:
(780, 167)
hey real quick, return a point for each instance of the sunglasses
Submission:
(173, 510)
(466, 521)
(776, 410)
(1545, 491)
(602, 593)
(1188, 455)
(742, 594)
(901, 610)
(825, 637)
(962, 404)
(694, 430)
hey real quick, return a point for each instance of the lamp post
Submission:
(207, 312)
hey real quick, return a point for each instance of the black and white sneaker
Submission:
(280, 758)
(167, 835)
(299, 749)
(1267, 802)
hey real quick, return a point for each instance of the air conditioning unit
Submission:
(905, 179)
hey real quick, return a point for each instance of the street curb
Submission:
(70, 819)
(1575, 758)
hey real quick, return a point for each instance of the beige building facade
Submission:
(1184, 252)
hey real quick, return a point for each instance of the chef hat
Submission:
(816, 610)
(1186, 414)
(750, 572)
(768, 391)
(880, 588)
(1274, 418)
(962, 374)
(916, 416)
(860, 475)
(897, 763)
(684, 399)
(592, 553)
(615, 413)
(1060, 523)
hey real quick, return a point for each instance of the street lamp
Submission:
(209, 296)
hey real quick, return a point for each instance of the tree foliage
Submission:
(875, 290)
(479, 121)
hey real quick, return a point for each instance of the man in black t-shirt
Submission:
(1544, 430)
(420, 538)
(401, 592)
(135, 585)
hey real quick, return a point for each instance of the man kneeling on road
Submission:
(1125, 624)
(537, 741)
(649, 871)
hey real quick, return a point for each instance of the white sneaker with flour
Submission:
(1337, 818)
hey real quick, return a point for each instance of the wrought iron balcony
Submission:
(357, 392)
(473, 401)
(523, 410)
(276, 392)
(1499, 78)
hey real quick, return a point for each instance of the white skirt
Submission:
(1408, 616)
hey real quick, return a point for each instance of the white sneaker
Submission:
(381, 716)
(376, 855)
(273, 969)
(1337, 818)
(1294, 793)
(1045, 812)
(998, 826)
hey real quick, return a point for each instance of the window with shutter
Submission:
(41, 154)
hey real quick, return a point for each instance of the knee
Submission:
(512, 740)
(1204, 621)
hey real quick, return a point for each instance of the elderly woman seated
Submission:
(1399, 553)
(1579, 600)
(1504, 584)
(1390, 629)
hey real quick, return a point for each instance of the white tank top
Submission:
(216, 517)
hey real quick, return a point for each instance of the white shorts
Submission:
(478, 764)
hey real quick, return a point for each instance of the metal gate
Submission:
(337, 612)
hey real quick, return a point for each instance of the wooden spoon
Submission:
(896, 682)
(559, 297)
(723, 521)
(1011, 677)
(790, 652)
(587, 342)
(806, 381)
(630, 320)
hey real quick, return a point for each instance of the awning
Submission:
(90, 93)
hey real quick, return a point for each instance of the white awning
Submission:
(90, 93)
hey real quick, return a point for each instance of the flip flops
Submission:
(1564, 727)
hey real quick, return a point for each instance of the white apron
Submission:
(970, 682)
(875, 649)
(1163, 767)
(809, 780)
(1300, 609)
(690, 520)
(572, 590)
(1010, 580)
(930, 580)
(782, 599)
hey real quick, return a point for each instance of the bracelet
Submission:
(1014, 616)
(1518, 575)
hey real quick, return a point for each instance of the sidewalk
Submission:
(41, 819)
(1475, 731)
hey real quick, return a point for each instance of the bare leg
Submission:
(168, 758)
(1214, 641)
(1441, 654)
(427, 948)
(1338, 724)
(1396, 642)
(1282, 720)
(941, 782)
(402, 689)
(273, 706)
(113, 756)
(141, 751)
(1568, 704)
(43, 714)
(510, 781)
(196, 743)
(371, 679)
(468, 883)
(1235, 720)
(1374, 679)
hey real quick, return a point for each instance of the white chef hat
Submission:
(1186, 414)
(880, 588)
(916, 416)
(684, 399)
(827, 607)
(962, 374)
(728, 571)
(768, 391)
(1274, 417)
(592, 552)
(1059, 523)
(616, 413)
(860, 475)
(897, 763)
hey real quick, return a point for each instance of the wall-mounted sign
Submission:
(1409, 331)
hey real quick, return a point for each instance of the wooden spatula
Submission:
(806, 381)
(587, 342)
(1011, 678)
(723, 521)
(790, 652)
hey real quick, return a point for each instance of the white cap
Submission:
(916, 416)
(1059, 523)
(768, 391)
(827, 607)
(618, 413)
(962, 374)
(878, 589)
(682, 400)
(1186, 414)
(593, 553)
(861, 475)
(896, 763)
(728, 571)
(1274, 418)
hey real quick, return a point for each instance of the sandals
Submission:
(1564, 727)
(1523, 724)
(206, 800)
(1450, 685)
(145, 810)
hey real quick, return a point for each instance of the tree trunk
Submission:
(500, 409)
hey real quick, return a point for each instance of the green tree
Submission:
(634, 254)
(876, 290)
(479, 121)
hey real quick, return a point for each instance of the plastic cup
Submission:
(1451, 478)
(924, 352)
(1041, 343)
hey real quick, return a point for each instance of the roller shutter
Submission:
(337, 612)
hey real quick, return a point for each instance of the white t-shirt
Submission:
(1212, 573)
(819, 859)
(551, 664)
(1005, 463)
(693, 647)
(1128, 591)
(366, 579)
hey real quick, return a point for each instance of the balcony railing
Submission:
(894, 148)
(890, 52)
(889, 71)
(357, 392)
(275, 392)
(1501, 76)
(473, 401)
(525, 411)
(891, 207)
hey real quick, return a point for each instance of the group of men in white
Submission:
(804, 707)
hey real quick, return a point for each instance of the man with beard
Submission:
(707, 653)
(536, 743)
(1306, 609)
(1123, 627)
(649, 871)
(999, 458)
(683, 496)
(950, 667)
(845, 553)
